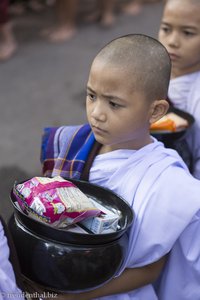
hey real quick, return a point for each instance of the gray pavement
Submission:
(43, 84)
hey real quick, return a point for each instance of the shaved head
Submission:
(144, 59)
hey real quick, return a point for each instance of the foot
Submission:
(107, 20)
(8, 43)
(62, 34)
(133, 9)
(7, 50)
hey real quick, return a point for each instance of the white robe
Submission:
(166, 202)
(8, 287)
(184, 93)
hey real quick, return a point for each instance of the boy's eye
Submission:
(165, 29)
(188, 33)
(92, 97)
(114, 105)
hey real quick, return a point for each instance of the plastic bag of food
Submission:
(171, 122)
(54, 200)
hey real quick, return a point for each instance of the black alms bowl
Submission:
(63, 261)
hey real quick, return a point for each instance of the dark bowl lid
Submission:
(103, 196)
(168, 136)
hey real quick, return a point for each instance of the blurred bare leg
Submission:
(133, 8)
(8, 43)
(66, 11)
(107, 12)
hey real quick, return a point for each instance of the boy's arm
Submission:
(129, 280)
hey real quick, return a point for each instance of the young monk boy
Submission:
(180, 34)
(126, 92)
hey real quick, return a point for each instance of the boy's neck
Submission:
(176, 74)
(107, 148)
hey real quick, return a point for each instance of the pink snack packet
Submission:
(54, 200)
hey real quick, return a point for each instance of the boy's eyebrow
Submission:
(189, 27)
(110, 97)
(183, 26)
(90, 89)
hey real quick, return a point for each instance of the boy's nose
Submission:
(98, 112)
(174, 39)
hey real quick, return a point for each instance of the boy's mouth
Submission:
(97, 129)
(173, 56)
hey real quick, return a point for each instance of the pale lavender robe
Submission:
(166, 201)
(184, 93)
(8, 287)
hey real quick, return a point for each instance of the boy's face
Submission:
(118, 115)
(180, 34)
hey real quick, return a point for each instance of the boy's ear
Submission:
(158, 109)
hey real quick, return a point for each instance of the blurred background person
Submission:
(67, 18)
(180, 33)
(19, 7)
(134, 7)
(104, 12)
(8, 44)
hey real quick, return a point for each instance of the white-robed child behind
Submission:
(126, 92)
(180, 33)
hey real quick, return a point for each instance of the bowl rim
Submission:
(60, 235)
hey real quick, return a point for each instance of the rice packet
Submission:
(54, 200)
